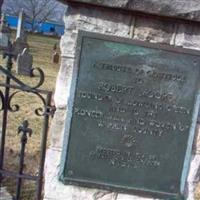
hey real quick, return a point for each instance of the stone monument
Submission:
(24, 63)
(5, 33)
(175, 24)
(55, 55)
(132, 116)
(20, 42)
(21, 48)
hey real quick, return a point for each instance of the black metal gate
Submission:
(6, 97)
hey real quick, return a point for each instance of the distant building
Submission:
(47, 28)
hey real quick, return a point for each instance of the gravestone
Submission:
(4, 27)
(55, 54)
(24, 63)
(21, 48)
(4, 40)
(134, 115)
(19, 45)
(5, 33)
(55, 57)
(21, 38)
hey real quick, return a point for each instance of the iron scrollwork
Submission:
(2, 100)
(45, 111)
(22, 87)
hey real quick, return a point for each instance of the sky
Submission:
(57, 17)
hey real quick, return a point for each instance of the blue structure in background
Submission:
(12, 21)
(49, 28)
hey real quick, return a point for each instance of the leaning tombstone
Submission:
(24, 63)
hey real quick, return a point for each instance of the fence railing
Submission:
(47, 110)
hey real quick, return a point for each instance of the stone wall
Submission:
(182, 9)
(114, 23)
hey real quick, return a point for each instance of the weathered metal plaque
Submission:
(134, 114)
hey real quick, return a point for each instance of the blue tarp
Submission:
(45, 28)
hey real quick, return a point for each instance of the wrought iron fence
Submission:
(6, 97)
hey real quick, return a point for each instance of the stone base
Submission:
(55, 190)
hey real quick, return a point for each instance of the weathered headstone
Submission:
(55, 57)
(21, 48)
(134, 116)
(5, 33)
(19, 45)
(24, 63)
(4, 27)
(4, 40)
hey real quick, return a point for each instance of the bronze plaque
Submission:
(134, 115)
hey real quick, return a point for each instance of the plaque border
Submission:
(69, 115)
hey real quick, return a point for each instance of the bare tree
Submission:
(1, 3)
(35, 10)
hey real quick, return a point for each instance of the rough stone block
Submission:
(188, 36)
(98, 20)
(154, 30)
(57, 128)
(130, 197)
(193, 177)
(185, 9)
(196, 146)
(63, 83)
(55, 190)
(68, 44)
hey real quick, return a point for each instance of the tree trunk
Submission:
(32, 25)
(1, 3)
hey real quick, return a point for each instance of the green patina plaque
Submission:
(133, 116)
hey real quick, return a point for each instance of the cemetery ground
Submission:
(41, 49)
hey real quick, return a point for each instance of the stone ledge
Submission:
(184, 9)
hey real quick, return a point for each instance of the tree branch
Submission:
(35, 10)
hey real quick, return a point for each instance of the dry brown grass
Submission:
(197, 193)
(41, 48)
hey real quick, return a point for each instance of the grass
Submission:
(41, 48)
